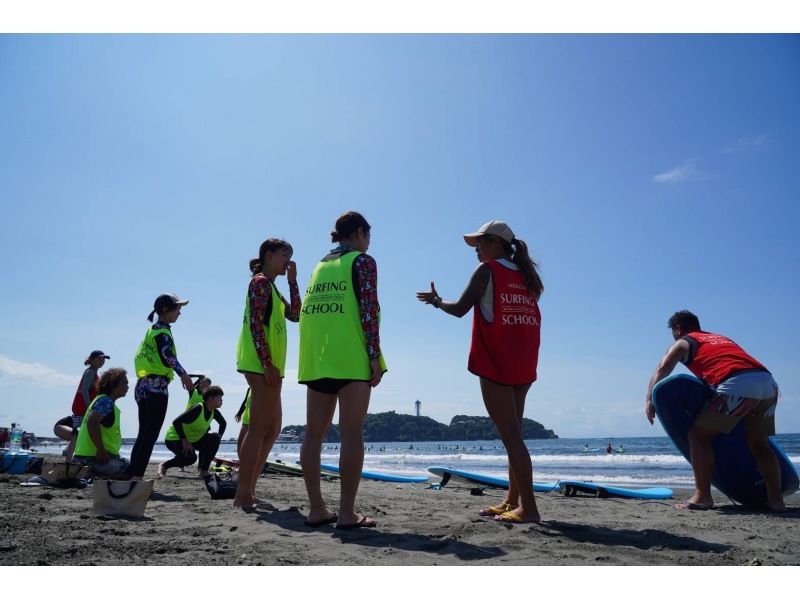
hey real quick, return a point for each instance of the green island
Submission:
(394, 427)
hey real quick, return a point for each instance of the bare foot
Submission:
(777, 506)
(161, 472)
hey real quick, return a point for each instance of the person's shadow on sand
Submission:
(292, 520)
(643, 539)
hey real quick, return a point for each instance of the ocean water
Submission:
(648, 461)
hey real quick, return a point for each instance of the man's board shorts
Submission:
(751, 396)
(77, 420)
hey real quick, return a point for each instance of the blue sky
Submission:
(647, 173)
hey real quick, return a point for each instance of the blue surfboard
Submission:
(678, 399)
(382, 477)
(448, 473)
(572, 488)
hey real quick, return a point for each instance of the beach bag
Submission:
(223, 486)
(127, 498)
(63, 471)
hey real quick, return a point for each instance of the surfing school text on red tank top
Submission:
(507, 349)
(714, 358)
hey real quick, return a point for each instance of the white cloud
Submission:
(745, 144)
(687, 171)
(36, 373)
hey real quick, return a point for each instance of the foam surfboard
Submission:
(449, 473)
(382, 477)
(573, 487)
(283, 468)
(678, 399)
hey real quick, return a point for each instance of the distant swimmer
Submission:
(503, 294)
(261, 357)
(743, 390)
(609, 450)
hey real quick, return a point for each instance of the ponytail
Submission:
(528, 268)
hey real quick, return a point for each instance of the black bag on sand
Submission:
(34, 465)
(222, 486)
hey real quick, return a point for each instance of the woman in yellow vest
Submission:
(340, 360)
(243, 416)
(261, 357)
(191, 431)
(156, 365)
(99, 438)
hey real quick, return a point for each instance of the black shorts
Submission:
(329, 386)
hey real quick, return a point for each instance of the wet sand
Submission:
(416, 526)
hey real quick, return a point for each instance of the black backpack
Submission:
(222, 486)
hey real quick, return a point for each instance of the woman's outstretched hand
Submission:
(431, 297)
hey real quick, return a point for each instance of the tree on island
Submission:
(394, 427)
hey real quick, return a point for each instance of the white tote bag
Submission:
(127, 498)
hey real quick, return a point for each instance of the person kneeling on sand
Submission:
(99, 437)
(743, 390)
(190, 432)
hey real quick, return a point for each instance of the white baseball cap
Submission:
(497, 228)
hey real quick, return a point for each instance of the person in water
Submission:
(340, 362)
(190, 433)
(261, 357)
(100, 438)
(156, 365)
(504, 294)
(743, 390)
(243, 416)
(84, 395)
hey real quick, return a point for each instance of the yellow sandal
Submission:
(491, 511)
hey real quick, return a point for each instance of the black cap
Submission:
(166, 301)
(95, 353)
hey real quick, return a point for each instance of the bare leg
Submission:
(701, 452)
(500, 402)
(353, 404)
(770, 470)
(263, 408)
(319, 413)
(266, 446)
(65, 433)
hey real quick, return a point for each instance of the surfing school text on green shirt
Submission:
(195, 429)
(247, 359)
(111, 436)
(332, 341)
(148, 361)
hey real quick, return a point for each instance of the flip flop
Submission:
(327, 521)
(512, 517)
(491, 511)
(690, 506)
(363, 522)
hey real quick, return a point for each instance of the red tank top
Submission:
(507, 349)
(79, 403)
(714, 358)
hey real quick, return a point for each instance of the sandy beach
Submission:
(417, 526)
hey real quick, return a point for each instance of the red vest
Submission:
(717, 357)
(507, 350)
(80, 403)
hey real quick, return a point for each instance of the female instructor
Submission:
(504, 291)
(340, 359)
